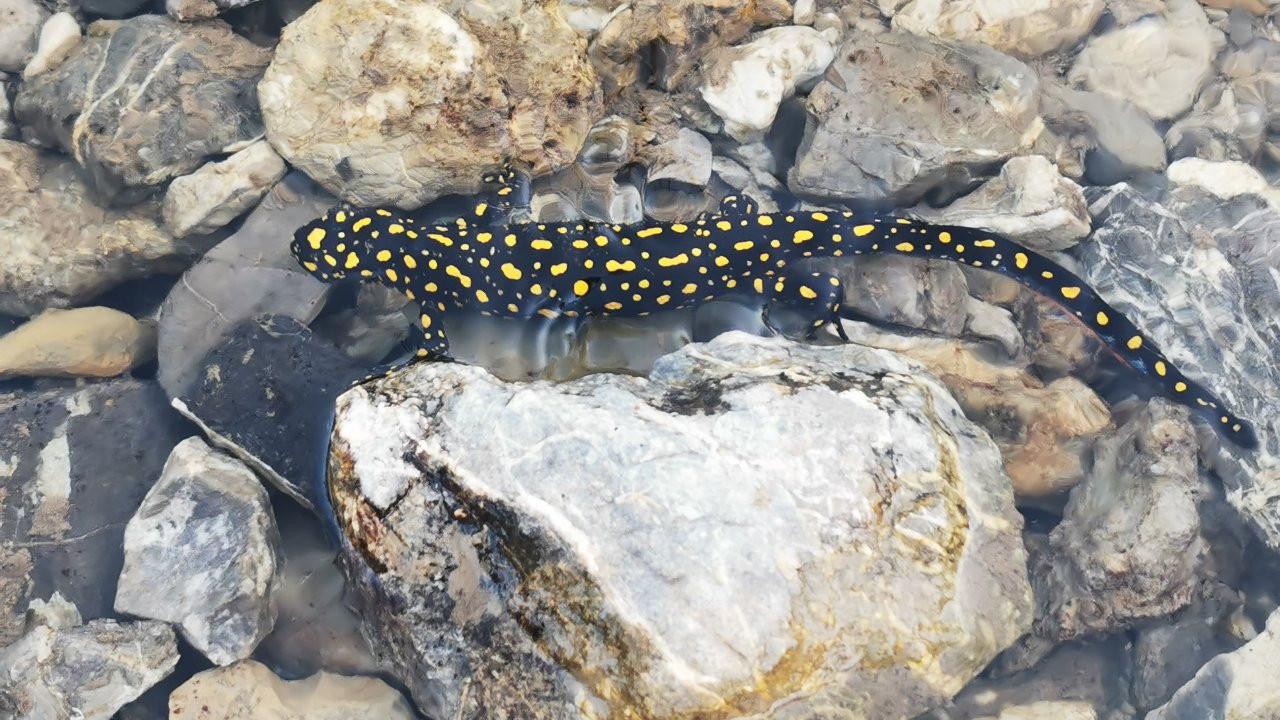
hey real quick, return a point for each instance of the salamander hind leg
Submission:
(433, 346)
(800, 303)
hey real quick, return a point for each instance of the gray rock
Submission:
(1240, 684)
(8, 129)
(202, 553)
(1166, 656)
(1049, 710)
(1122, 138)
(1026, 29)
(111, 8)
(248, 690)
(1158, 63)
(20, 22)
(144, 100)
(218, 192)
(85, 672)
(76, 463)
(690, 543)
(1028, 202)
(84, 342)
(63, 248)
(897, 115)
(1207, 294)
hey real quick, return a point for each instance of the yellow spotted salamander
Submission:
(580, 269)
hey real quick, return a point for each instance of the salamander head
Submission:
(327, 250)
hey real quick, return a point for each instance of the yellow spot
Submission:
(764, 220)
(395, 228)
(644, 284)
(453, 271)
(959, 248)
(984, 243)
(744, 245)
(758, 284)
(905, 247)
(721, 261)
(662, 299)
(724, 225)
(807, 292)
(679, 227)
(581, 244)
(504, 191)
(580, 288)
(391, 275)
(802, 235)
(314, 237)
(1070, 292)
(903, 221)
(648, 232)
(444, 240)
(615, 266)
(535, 289)
(484, 237)
(836, 238)
(541, 244)
(864, 230)
(481, 207)
(1226, 419)
(330, 259)
(360, 224)
(1046, 275)
(819, 216)
(383, 255)
(383, 213)
(310, 266)
(513, 308)
(1020, 259)
(1161, 370)
(431, 287)
(680, 259)
(614, 305)
(412, 234)
(511, 271)
(602, 240)
(689, 288)
(425, 320)
(1236, 427)
(340, 217)
(510, 240)
(410, 262)
(484, 262)
(1135, 342)
(1102, 318)
(352, 260)
(482, 296)
(559, 268)
(944, 237)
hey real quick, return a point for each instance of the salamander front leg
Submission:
(801, 302)
(432, 346)
(507, 192)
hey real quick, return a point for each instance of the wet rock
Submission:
(1122, 139)
(679, 172)
(144, 100)
(248, 690)
(58, 37)
(903, 291)
(63, 248)
(8, 130)
(1126, 12)
(1237, 684)
(1027, 29)
(187, 10)
(111, 8)
(1168, 655)
(1158, 63)
(898, 114)
(427, 98)
(84, 342)
(1218, 128)
(1225, 180)
(265, 374)
(745, 585)
(76, 465)
(1048, 710)
(85, 672)
(745, 84)
(1130, 546)
(20, 22)
(1207, 294)
(202, 553)
(1028, 202)
(218, 192)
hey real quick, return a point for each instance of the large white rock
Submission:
(20, 22)
(1029, 28)
(201, 552)
(1158, 63)
(744, 85)
(759, 529)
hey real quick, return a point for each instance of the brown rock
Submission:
(85, 342)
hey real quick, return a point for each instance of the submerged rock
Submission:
(248, 690)
(897, 115)
(84, 342)
(413, 106)
(85, 672)
(1240, 684)
(144, 100)
(1028, 29)
(761, 528)
(202, 553)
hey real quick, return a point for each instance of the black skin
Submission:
(582, 269)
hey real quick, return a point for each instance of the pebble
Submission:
(84, 342)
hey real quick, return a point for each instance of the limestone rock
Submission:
(87, 672)
(58, 37)
(187, 10)
(84, 342)
(897, 114)
(248, 690)
(415, 105)
(1238, 684)
(201, 552)
(20, 22)
(218, 192)
(63, 248)
(1121, 138)
(1157, 63)
(1028, 202)
(745, 84)
(144, 100)
(690, 543)
(1026, 29)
